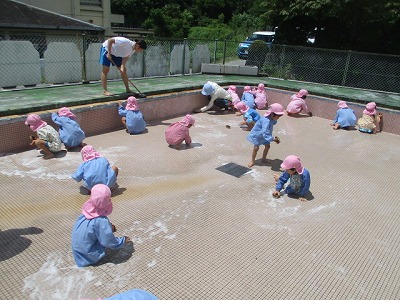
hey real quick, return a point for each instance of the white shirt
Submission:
(122, 47)
(219, 93)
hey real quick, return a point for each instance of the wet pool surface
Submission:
(203, 226)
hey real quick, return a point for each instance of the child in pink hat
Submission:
(132, 117)
(93, 232)
(248, 97)
(232, 91)
(345, 117)
(95, 169)
(370, 120)
(47, 139)
(261, 98)
(250, 116)
(71, 134)
(261, 134)
(298, 177)
(298, 104)
(178, 132)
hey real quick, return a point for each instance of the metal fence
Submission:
(344, 68)
(44, 59)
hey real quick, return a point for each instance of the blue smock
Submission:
(70, 132)
(302, 187)
(261, 134)
(345, 117)
(251, 116)
(95, 171)
(90, 238)
(133, 295)
(135, 122)
(248, 99)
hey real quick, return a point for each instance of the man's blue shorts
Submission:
(104, 60)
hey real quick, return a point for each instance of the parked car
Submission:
(266, 36)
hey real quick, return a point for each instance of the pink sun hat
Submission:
(232, 88)
(88, 153)
(242, 107)
(99, 203)
(275, 108)
(370, 109)
(342, 104)
(188, 120)
(292, 161)
(66, 112)
(261, 87)
(247, 89)
(302, 93)
(132, 104)
(35, 122)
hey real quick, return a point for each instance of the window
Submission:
(91, 2)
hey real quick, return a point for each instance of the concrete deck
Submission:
(25, 100)
(200, 233)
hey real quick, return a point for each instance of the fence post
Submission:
(346, 68)
(223, 59)
(281, 63)
(184, 56)
(215, 51)
(84, 79)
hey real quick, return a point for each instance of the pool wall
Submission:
(103, 117)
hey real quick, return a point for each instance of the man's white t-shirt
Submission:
(122, 47)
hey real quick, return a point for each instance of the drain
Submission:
(233, 169)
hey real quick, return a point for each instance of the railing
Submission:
(44, 59)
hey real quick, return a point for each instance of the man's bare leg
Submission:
(104, 74)
(125, 79)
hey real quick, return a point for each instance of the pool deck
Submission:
(204, 226)
(25, 100)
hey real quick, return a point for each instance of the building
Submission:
(96, 12)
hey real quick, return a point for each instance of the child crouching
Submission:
(95, 169)
(71, 133)
(178, 132)
(132, 117)
(47, 138)
(298, 177)
(93, 232)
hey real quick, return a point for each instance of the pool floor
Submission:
(202, 229)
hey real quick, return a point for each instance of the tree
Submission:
(361, 25)
(170, 21)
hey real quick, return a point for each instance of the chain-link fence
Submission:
(35, 59)
(333, 67)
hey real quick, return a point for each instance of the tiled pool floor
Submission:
(200, 233)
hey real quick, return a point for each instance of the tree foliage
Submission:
(362, 25)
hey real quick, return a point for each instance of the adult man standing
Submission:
(117, 51)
